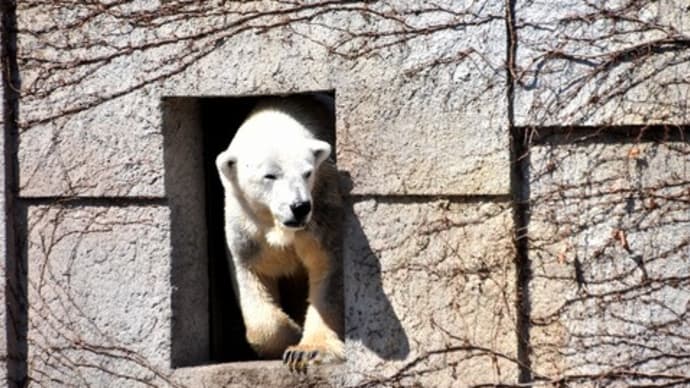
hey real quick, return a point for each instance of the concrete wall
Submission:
(518, 176)
(609, 247)
(3, 241)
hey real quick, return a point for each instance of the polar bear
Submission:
(283, 214)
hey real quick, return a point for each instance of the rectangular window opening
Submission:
(207, 324)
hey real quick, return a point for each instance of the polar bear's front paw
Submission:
(299, 357)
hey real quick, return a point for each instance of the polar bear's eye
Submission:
(270, 177)
(307, 175)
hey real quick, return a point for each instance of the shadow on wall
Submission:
(370, 319)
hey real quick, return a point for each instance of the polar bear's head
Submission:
(272, 173)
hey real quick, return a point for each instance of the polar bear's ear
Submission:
(226, 163)
(321, 150)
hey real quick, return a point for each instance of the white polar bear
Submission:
(283, 214)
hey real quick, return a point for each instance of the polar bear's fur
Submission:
(283, 214)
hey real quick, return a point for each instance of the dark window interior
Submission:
(220, 118)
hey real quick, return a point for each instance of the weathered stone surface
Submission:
(100, 309)
(114, 149)
(407, 123)
(256, 374)
(609, 244)
(429, 293)
(99, 295)
(184, 185)
(3, 316)
(420, 109)
(3, 240)
(602, 63)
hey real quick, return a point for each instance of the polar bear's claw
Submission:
(298, 360)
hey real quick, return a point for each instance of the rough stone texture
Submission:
(100, 312)
(115, 149)
(406, 124)
(429, 293)
(3, 239)
(99, 295)
(421, 109)
(184, 184)
(3, 306)
(609, 245)
(256, 374)
(602, 63)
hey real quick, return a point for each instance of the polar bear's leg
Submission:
(269, 329)
(321, 339)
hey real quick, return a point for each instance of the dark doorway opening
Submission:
(220, 119)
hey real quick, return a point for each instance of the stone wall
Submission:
(609, 244)
(3, 250)
(518, 177)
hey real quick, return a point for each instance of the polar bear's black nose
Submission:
(301, 210)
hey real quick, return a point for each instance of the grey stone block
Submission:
(100, 313)
(602, 63)
(3, 241)
(3, 316)
(256, 374)
(407, 124)
(429, 293)
(114, 149)
(185, 188)
(609, 245)
(419, 112)
(99, 295)
(424, 134)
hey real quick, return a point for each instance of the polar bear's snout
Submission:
(290, 201)
(301, 212)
